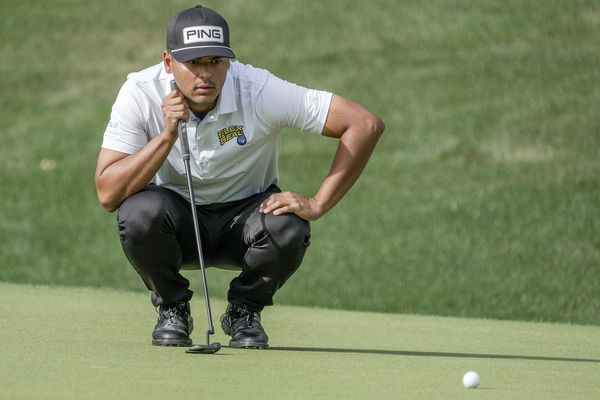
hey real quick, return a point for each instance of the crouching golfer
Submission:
(235, 114)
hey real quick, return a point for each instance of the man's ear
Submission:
(168, 61)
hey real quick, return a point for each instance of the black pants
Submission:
(157, 235)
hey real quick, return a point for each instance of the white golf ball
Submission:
(471, 380)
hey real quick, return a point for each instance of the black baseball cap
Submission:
(198, 32)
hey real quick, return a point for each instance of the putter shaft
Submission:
(185, 155)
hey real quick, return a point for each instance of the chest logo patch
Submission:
(231, 132)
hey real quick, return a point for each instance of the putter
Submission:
(208, 348)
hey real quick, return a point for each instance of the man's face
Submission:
(199, 80)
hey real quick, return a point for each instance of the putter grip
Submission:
(182, 130)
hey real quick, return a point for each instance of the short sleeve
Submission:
(283, 104)
(126, 131)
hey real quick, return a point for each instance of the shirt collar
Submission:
(226, 101)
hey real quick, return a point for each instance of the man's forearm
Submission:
(130, 174)
(353, 153)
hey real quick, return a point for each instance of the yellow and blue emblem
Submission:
(233, 131)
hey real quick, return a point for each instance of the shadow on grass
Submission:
(431, 354)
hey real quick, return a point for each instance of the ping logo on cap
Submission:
(200, 34)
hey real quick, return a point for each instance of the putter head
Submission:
(210, 348)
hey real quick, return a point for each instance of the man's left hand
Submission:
(291, 202)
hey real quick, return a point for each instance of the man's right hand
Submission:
(174, 108)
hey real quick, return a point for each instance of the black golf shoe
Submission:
(243, 325)
(174, 326)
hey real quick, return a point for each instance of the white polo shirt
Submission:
(234, 150)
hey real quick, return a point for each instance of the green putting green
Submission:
(69, 343)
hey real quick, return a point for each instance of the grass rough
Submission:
(481, 199)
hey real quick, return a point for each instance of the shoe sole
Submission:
(248, 344)
(172, 343)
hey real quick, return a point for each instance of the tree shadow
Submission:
(432, 354)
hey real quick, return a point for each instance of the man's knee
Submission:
(287, 231)
(142, 213)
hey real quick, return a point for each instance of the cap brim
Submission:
(191, 53)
